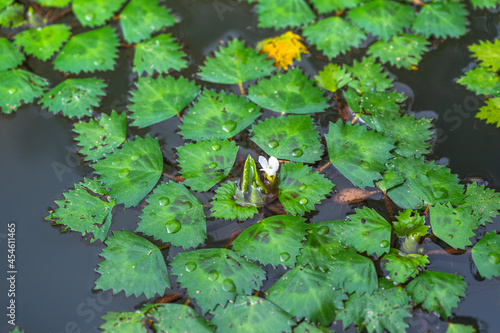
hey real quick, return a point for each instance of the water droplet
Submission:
(273, 144)
(117, 162)
(123, 173)
(212, 165)
(213, 275)
(450, 236)
(163, 201)
(98, 61)
(302, 187)
(135, 157)
(89, 17)
(284, 256)
(250, 110)
(323, 230)
(228, 285)
(12, 91)
(229, 126)
(188, 204)
(303, 201)
(384, 243)
(144, 183)
(494, 258)
(216, 146)
(173, 226)
(191, 266)
(297, 152)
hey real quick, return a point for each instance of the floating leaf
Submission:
(131, 172)
(218, 116)
(368, 75)
(332, 77)
(485, 202)
(132, 264)
(383, 18)
(92, 13)
(453, 225)
(5, 3)
(373, 103)
(326, 6)
(90, 51)
(482, 4)
(235, 64)
(140, 18)
(251, 314)
(301, 188)
(283, 13)
(408, 225)
(274, 240)
(123, 322)
(230, 203)
(43, 42)
(441, 19)
(159, 54)
(12, 16)
(459, 328)
(291, 92)
(359, 154)
(174, 215)
(437, 291)
(402, 51)
(490, 112)
(100, 137)
(334, 36)
(306, 293)
(486, 255)
(404, 266)
(19, 86)
(291, 138)
(283, 49)
(74, 97)
(178, 318)
(384, 309)
(10, 57)
(214, 276)
(53, 3)
(488, 53)
(352, 272)
(83, 210)
(156, 100)
(481, 80)
(205, 163)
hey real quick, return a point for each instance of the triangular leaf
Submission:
(404, 266)
(441, 19)
(283, 13)
(490, 112)
(488, 53)
(368, 75)
(481, 80)
(10, 57)
(408, 225)
(353, 272)
(486, 255)
(92, 13)
(332, 77)
(375, 103)
(178, 318)
(159, 54)
(43, 42)
(402, 51)
(326, 6)
(484, 202)
(19, 86)
(453, 225)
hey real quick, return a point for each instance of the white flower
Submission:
(269, 167)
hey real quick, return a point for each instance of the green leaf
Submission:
(404, 266)
(132, 264)
(373, 103)
(291, 138)
(218, 116)
(141, 18)
(402, 51)
(441, 19)
(368, 75)
(481, 80)
(459, 328)
(251, 314)
(486, 255)
(159, 99)
(84, 210)
(453, 225)
(19, 86)
(214, 276)
(306, 293)
(92, 13)
(334, 36)
(332, 77)
(305, 327)
(235, 64)
(291, 92)
(90, 51)
(43, 42)
(301, 188)
(123, 322)
(131, 172)
(5, 3)
(174, 215)
(100, 137)
(10, 57)
(484, 202)
(359, 154)
(367, 231)
(490, 112)
(283, 13)
(383, 18)
(408, 225)
(353, 272)
(205, 163)
(53, 3)
(488, 53)
(274, 240)
(178, 318)
(159, 54)
(230, 203)
(12, 16)
(326, 6)
(74, 97)
(385, 309)
(437, 291)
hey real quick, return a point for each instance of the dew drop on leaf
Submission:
(273, 144)
(152, 215)
(188, 204)
(163, 201)
(384, 243)
(213, 275)
(191, 266)
(144, 183)
(228, 285)
(494, 258)
(98, 61)
(117, 162)
(12, 91)
(323, 230)
(212, 165)
(303, 201)
(216, 147)
(251, 110)
(135, 156)
(297, 152)
(123, 173)
(229, 126)
(302, 187)
(89, 17)
(284, 256)
(173, 226)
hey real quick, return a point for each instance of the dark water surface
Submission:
(38, 162)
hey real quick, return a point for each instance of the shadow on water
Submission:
(56, 271)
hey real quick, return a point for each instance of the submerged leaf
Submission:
(19, 86)
(159, 54)
(283, 13)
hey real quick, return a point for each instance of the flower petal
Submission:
(263, 162)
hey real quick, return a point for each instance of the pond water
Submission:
(56, 271)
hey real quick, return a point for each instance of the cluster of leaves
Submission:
(331, 265)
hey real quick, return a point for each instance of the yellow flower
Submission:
(283, 49)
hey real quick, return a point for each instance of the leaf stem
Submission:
(242, 90)
(59, 15)
(320, 169)
(388, 205)
(164, 247)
